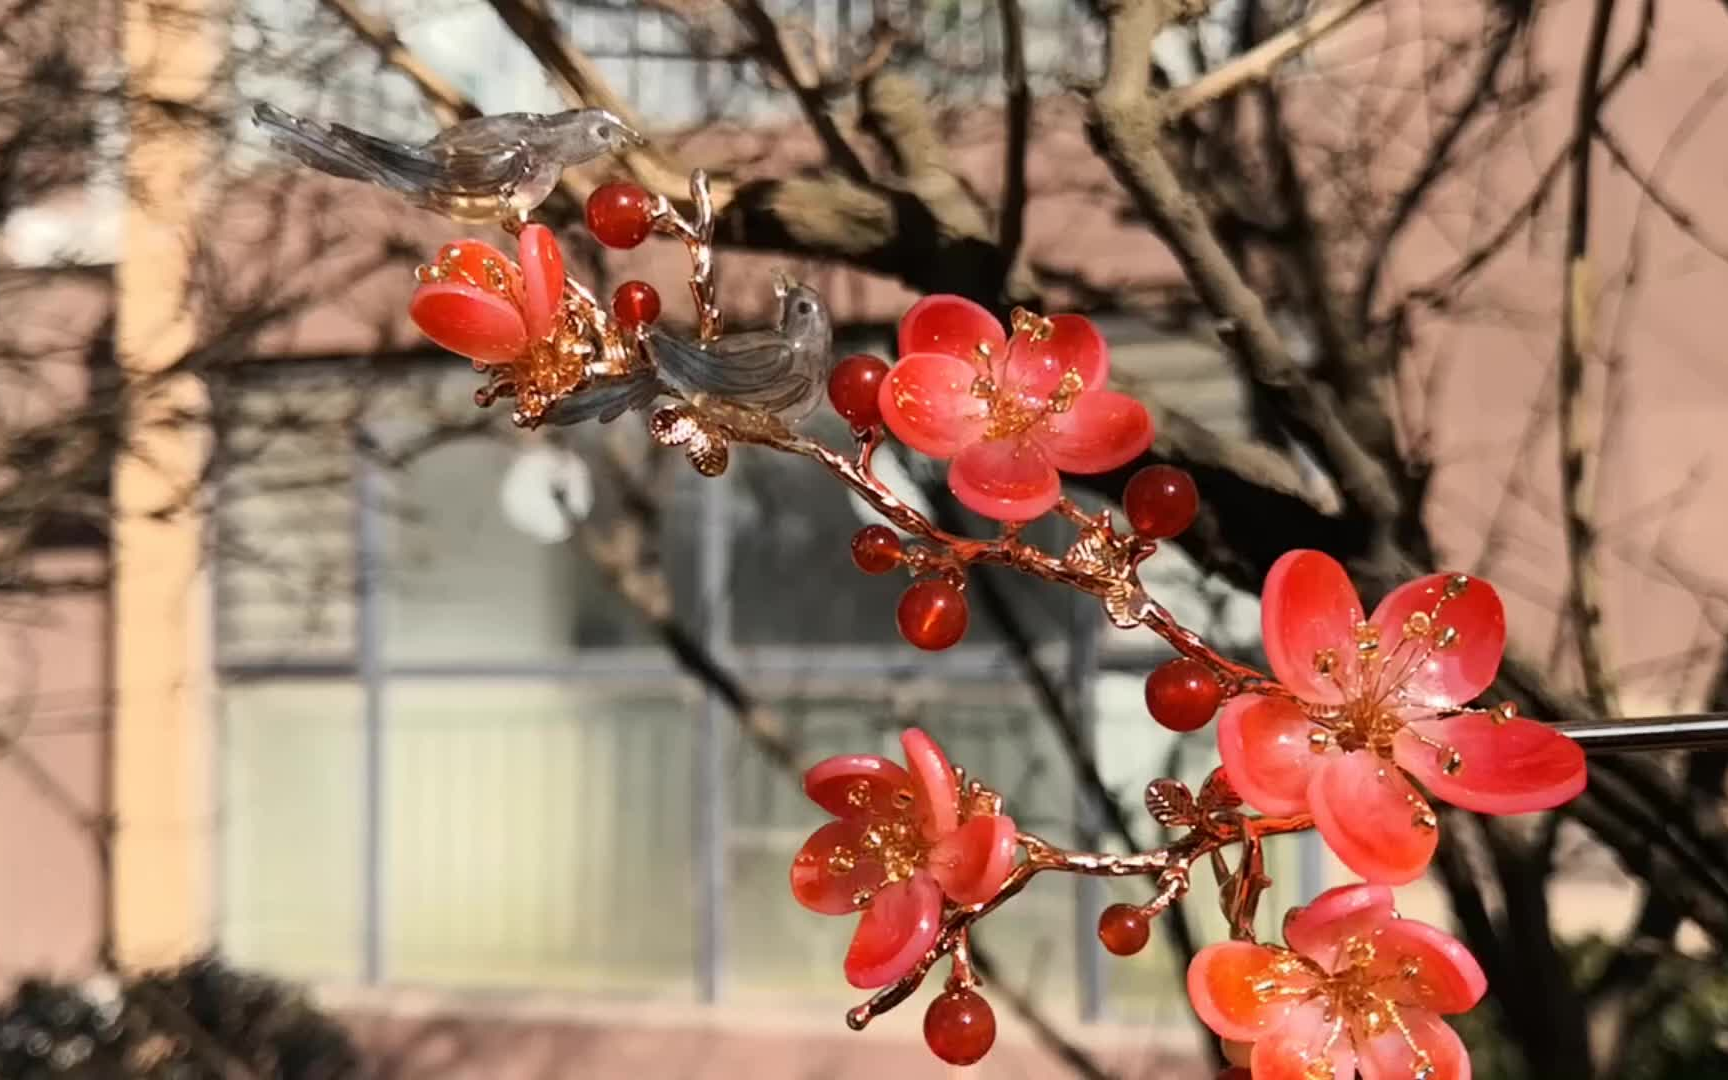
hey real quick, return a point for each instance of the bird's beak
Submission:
(782, 285)
(632, 137)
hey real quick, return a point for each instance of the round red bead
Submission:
(875, 549)
(636, 303)
(620, 215)
(1183, 694)
(959, 1027)
(855, 386)
(1160, 501)
(1124, 929)
(932, 615)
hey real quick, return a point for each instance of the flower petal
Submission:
(1221, 987)
(927, 403)
(900, 923)
(1367, 813)
(1103, 430)
(542, 278)
(469, 322)
(973, 861)
(477, 263)
(1004, 479)
(1036, 367)
(1387, 1056)
(1510, 767)
(1264, 744)
(935, 791)
(950, 325)
(1424, 966)
(1317, 931)
(1296, 1050)
(1444, 678)
(853, 785)
(814, 882)
(1307, 605)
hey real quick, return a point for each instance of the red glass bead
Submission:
(636, 303)
(932, 615)
(855, 386)
(875, 549)
(1183, 694)
(620, 215)
(1124, 929)
(1160, 501)
(959, 1027)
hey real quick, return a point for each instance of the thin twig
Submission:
(449, 103)
(1018, 120)
(1129, 122)
(1578, 434)
(1649, 184)
(1483, 89)
(775, 51)
(1262, 61)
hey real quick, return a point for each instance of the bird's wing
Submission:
(607, 401)
(757, 367)
(435, 168)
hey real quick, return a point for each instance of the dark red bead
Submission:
(636, 303)
(1236, 1074)
(855, 387)
(1183, 694)
(1124, 929)
(1160, 501)
(932, 615)
(959, 1027)
(875, 549)
(620, 214)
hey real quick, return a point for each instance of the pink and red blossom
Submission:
(1356, 988)
(1009, 410)
(477, 303)
(1379, 702)
(902, 842)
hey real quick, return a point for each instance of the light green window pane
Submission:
(538, 835)
(291, 812)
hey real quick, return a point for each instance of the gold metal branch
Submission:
(1171, 866)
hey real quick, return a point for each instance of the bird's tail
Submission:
(316, 145)
(608, 401)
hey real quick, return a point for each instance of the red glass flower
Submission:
(1009, 410)
(1380, 698)
(903, 840)
(1357, 988)
(477, 303)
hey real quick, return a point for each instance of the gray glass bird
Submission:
(783, 371)
(482, 170)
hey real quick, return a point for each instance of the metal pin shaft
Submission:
(1700, 731)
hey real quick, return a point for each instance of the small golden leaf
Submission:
(1170, 803)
